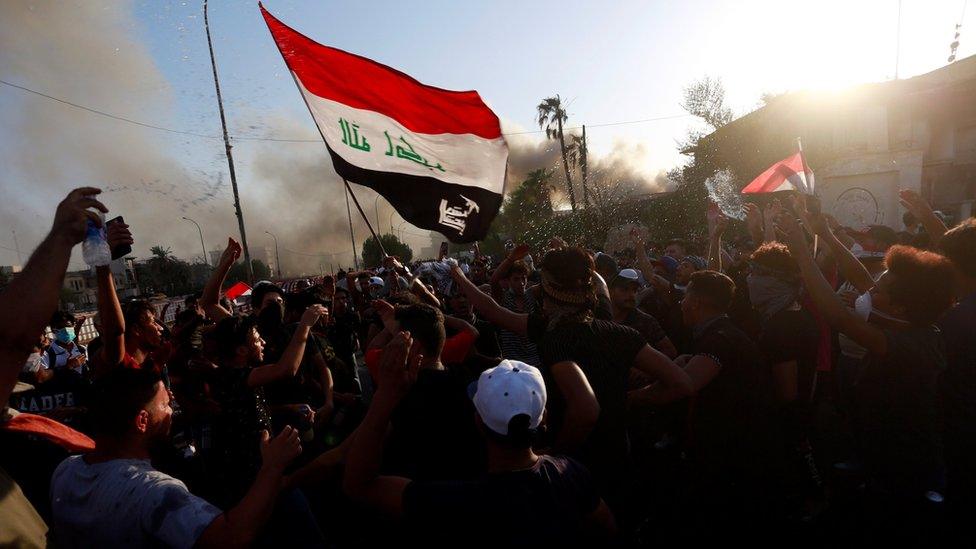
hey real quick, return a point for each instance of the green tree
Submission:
(164, 273)
(373, 256)
(551, 117)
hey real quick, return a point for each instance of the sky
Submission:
(612, 62)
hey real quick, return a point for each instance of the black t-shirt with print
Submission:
(434, 435)
(605, 352)
(897, 407)
(542, 506)
(244, 413)
(727, 416)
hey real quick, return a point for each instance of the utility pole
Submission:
(230, 157)
(17, 248)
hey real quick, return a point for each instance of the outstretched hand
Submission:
(232, 252)
(74, 212)
(399, 365)
(278, 453)
(387, 314)
(913, 202)
(118, 234)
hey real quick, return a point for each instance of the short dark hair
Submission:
(713, 287)
(261, 290)
(776, 257)
(231, 333)
(118, 397)
(62, 318)
(922, 283)
(133, 310)
(908, 219)
(520, 436)
(425, 324)
(959, 245)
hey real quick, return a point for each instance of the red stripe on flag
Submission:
(237, 290)
(365, 84)
(777, 174)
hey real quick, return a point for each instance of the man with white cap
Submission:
(528, 499)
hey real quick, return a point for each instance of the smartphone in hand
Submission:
(121, 250)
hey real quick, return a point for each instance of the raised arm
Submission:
(112, 320)
(493, 312)
(291, 359)
(32, 297)
(852, 269)
(501, 272)
(914, 203)
(834, 312)
(362, 480)
(210, 300)
(716, 227)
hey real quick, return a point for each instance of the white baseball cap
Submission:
(376, 281)
(512, 388)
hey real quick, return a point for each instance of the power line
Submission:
(102, 113)
(283, 139)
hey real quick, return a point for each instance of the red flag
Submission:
(791, 174)
(237, 290)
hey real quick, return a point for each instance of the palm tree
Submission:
(551, 119)
(161, 253)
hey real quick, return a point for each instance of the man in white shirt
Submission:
(113, 497)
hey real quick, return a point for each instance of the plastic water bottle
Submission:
(94, 249)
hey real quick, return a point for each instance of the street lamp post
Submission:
(202, 245)
(277, 257)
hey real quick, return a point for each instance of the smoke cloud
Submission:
(91, 53)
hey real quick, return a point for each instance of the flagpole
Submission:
(362, 213)
(806, 170)
(348, 188)
(352, 236)
(230, 157)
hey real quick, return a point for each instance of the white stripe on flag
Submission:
(374, 141)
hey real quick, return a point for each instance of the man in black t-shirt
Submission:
(587, 361)
(726, 437)
(525, 500)
(433, 435)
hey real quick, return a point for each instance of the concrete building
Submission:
(80, 291)
(866, 143)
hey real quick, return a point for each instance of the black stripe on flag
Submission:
(461, 213)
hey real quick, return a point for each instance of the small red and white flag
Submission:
(438, 156)
(791, 174)
(237, 290)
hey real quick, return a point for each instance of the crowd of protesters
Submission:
(785, 379)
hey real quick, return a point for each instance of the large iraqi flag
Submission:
(438, 156)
